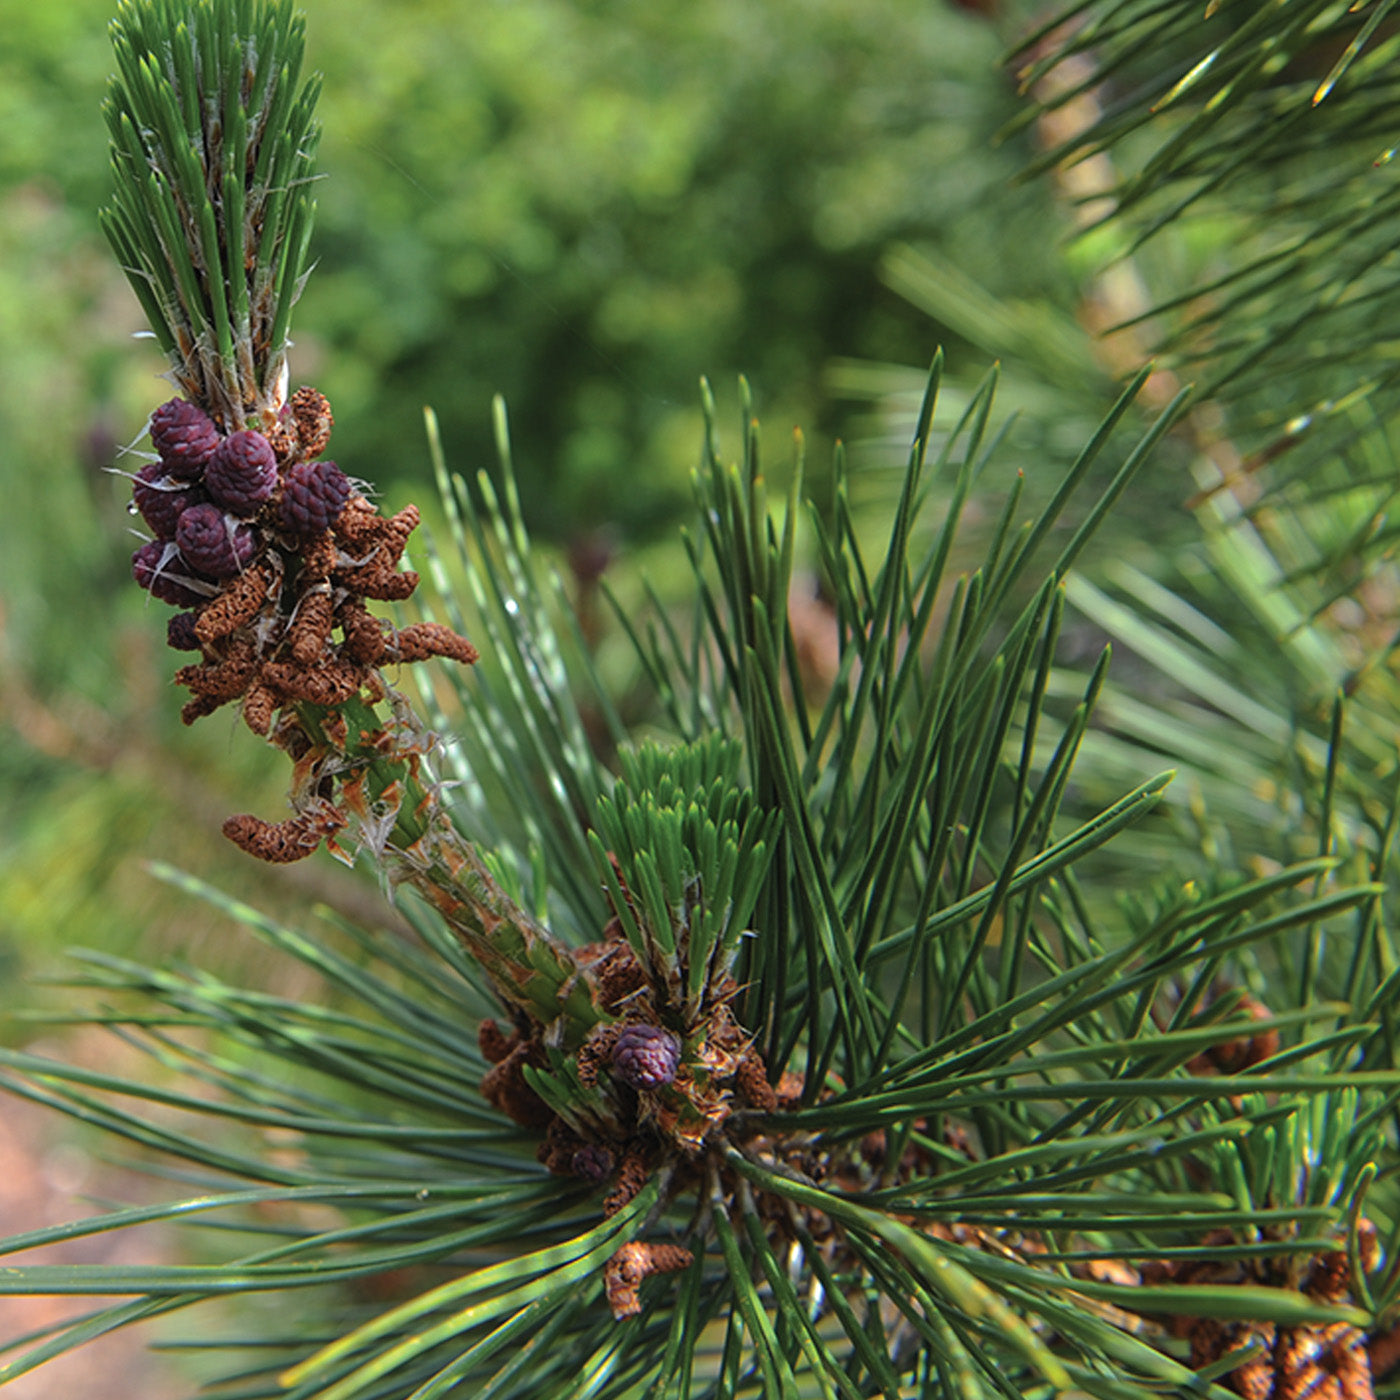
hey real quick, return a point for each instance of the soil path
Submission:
(46, 1180)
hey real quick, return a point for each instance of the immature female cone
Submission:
(646, 1057)
(157, 567)
(212, 542)
(162, 498)
(242, 474)
(313, 496)
(185, 436)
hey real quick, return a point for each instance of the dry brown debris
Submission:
(495, 1044)
(595, 1052)
(751, 1082)
(617, 973)
(1243, 1052)
(505, 1086)
(632, 1175)
(1324, 1362)
(635, 1262)
(1383, 1352)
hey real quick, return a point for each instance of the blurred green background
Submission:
(581, 206)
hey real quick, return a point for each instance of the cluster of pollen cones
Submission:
(272, 554)
(1315, 1361)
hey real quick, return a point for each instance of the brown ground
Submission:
(45, 1180)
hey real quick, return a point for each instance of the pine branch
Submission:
(826, 1063)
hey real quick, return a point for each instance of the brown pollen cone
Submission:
(635, 1262)
(310, 412)
(280, 843)
(1313, 1361)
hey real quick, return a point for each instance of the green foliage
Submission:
(692, 843)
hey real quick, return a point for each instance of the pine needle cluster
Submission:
(213, 152)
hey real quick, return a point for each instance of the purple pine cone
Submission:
(153, 566)
(162, 498)
(242, 472)
(214, 543)
(313, 495)
(180, 633)
(185, 437)
(646, 1057)
(592, 1162)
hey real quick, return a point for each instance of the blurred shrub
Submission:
(586, 206)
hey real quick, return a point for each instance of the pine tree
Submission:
(807, 1042)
